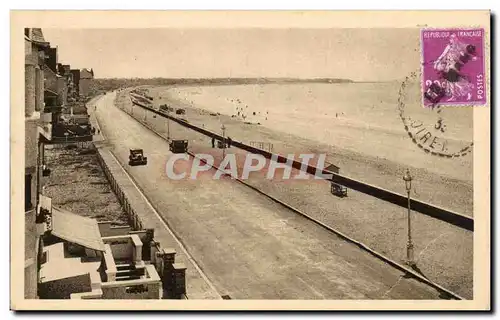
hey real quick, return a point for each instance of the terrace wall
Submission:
(63, 288)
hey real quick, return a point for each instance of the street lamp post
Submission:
(168, 125)
(409, 246)
(223, 141)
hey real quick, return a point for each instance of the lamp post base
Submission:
(409, 255)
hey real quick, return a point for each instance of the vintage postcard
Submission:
(250, 160)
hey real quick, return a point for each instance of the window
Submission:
(27, 192)
(43, 258)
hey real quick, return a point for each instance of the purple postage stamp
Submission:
(453, 67)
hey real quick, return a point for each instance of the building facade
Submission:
(47, 85)
(86, 78)
(37, 132)
(68, 256)
(76, 82)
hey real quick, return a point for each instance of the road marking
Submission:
(210, 284)
(393, 286)
(429, 244)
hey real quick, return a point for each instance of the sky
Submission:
(356, 54)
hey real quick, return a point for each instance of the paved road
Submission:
(247, 245)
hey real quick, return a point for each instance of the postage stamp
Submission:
(453, 67)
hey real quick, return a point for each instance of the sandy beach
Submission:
(360, 117)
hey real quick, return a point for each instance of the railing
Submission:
(45, 127)
(70, 139)
(46, 117)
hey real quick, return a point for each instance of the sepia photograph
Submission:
(307, 158)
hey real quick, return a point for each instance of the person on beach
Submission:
(213, 142)
(229, 140)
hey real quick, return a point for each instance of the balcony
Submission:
(51, 101)
(45, 125)
(53, 109)
(50, 83)
(44, 211)
(34, 57)
(41, 57)
(45, 171)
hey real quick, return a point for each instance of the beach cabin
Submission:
(335, 188)
(332, 168)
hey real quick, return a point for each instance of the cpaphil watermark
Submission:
(182, 166)
(453, 67)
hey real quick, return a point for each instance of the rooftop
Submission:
(60, 266)
(86, 74)
(36, 36)
(77, 229)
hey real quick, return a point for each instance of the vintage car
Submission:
(338, 190)
(178, 146)
(137, 158)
